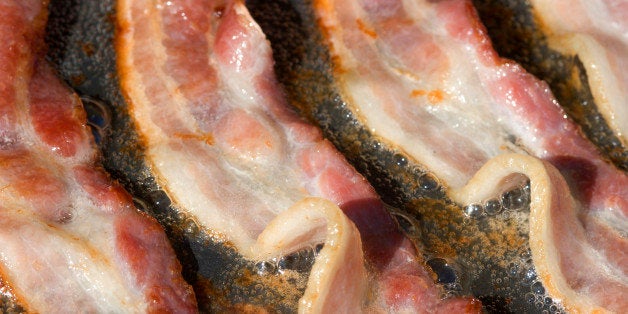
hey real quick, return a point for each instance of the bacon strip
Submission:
(71, 238)
(595, 31)
(423, 76)
(222, 141)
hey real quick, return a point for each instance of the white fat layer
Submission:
(230, 199)
(75, 258)
(614, 219)
(86, 279)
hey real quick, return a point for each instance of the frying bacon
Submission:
(71, 239)
(595, 31)
(222, 141)
(423, 76)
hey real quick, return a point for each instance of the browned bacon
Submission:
(71, 239)
(423, 76)
(223, 142)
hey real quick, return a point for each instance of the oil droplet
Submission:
(473, 210)
(428, 182)
(537, 288)
(529, 297)
(161, 199)
(98, 117)
(192, 227)
(264, 268)
(492, 207)
(444, 271)
(318, 248)
(529, 276)
(300, 261)
(514, 199)
(401, 160)
(513, 269)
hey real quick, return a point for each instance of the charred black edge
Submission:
(304, 69)
(81, 47)
(517, 34)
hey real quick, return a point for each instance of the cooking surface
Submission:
(483, 252)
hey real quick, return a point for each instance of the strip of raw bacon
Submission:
(424, 76)
(223, 142)
(71, 239)
(597, 32)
